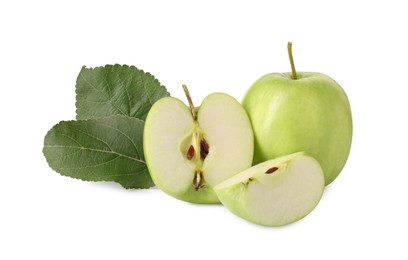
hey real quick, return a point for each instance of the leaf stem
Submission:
(190, 102)
(292, 64)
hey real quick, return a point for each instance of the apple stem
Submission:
(292, 64)
(190, 102)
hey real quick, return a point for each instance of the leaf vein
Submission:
(125, 135)
(94, 150)
(107, 96)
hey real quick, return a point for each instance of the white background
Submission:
(210, 46)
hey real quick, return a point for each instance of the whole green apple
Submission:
(300, 111)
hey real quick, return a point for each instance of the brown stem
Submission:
(190, 102)
(292, 64)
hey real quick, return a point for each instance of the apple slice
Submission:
(276, 192)
(188, 152)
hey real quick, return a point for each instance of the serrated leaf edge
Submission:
(112, 65)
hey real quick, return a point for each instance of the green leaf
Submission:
(106, 149)
(116, 89)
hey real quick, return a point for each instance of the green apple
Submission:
(189, 151)
(276, 192)
(300, 111)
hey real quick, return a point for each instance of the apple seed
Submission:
(204, 145)
(203, 154)
(190, 152)
(204, 148)
(271, 170)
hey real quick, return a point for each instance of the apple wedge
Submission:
(189, 151)
(276, 192)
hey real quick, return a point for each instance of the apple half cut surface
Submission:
(276, 192)
(188, 150)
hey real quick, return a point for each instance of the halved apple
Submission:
(276, 192)
(189, 151)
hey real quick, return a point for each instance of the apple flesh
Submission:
(188, 152)
(276, 192)
(311, 113)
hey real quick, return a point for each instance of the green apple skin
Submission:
(311, 114)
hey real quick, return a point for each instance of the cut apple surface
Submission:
(189, 151)
(276, 192)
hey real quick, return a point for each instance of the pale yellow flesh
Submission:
(275, 199)
(162, 137)
(229, 133)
